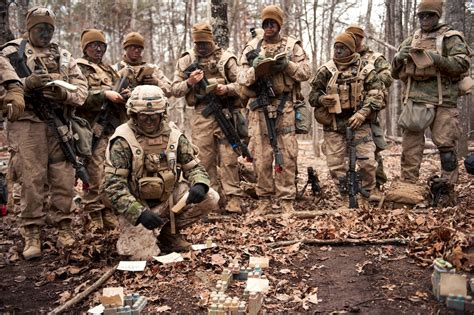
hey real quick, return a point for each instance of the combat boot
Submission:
(375, 196)
(234, 204)
(65, 235)
(287, 206)
(96, 222)
(264, 206)
(31, 235)
(172, 242)
(109, 219)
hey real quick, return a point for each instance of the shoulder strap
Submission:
(64, 60)
(331, 66)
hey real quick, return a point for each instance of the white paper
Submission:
(170, 258)
(263, 262)
(202, 246)
(452, 283)
(132, 265)
(99, 309)
(257, 285)
(63, 84)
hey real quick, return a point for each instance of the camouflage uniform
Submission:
(334, 146)
(100, 77)
(421, 87)
(215, 151)
(132, 72)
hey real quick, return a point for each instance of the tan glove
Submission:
(327, 100)
(356, 120)
(56, 93)
(37, 80)
(150, 80)
(14, 102)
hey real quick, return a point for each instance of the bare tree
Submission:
(219, 23)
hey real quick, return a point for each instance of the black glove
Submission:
(280, 65)
(197, 193)
(150, 220)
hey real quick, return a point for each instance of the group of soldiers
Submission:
(139, 164)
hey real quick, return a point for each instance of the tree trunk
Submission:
(21, 15)
(5, 32)
(219, 23)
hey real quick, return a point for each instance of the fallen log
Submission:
(296, 214)
(340, 242)
(86, 292)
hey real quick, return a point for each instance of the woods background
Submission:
(166, 27)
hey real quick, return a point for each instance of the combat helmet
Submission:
(147, 98)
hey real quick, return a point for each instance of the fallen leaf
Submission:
(63, 297)
(282, 297)
(389, 287)
(163, 308)
(217, 259)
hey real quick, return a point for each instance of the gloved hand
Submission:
(402, 54)
(197, 193)
(435, 56)
(114, 97)
(37, 80)
(356, 120)
(280, 65)
(150, 220)
(57, 94)
(257, 60)
(150, 80)
(327, 100)
(15, 101)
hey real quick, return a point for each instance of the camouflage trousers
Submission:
(282, 185)
(95, 168)
(216, 154)
(38, 163)
(445, 132)
(334, 147)
(380, 145)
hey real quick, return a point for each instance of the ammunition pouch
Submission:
(302, 117)
(449, 161)
(322, 115)
(241, 124)
(158, 187)
(82, 134)
(418, 74)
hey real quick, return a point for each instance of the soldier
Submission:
(33, 143)
(383, 68)
(285, 77)
(431, 63)
(355, 83)
(101, 79)
(138, 71)
(144, 159)
(218, 67)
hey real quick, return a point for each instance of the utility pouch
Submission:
(416, 116)
(82, 134)
(302, 117)
(241, 124)
(150, 187)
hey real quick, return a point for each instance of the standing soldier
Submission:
(34, 144)
(101, 79)
(284, 76)
(353, 83)
(383, 68)
(431, 63)
(219, 68)
(138, 71)
(144, 159)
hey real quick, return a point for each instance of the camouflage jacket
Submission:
(7, 73)
(382, 66)
(117, 185)
(453, 62)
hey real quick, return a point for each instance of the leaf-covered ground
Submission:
(303, 278)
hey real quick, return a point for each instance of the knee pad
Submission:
(449, 161)
(469, 164)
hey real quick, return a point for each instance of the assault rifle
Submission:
(106, 118)
(221, 113)
(313, 180)
(350, 184)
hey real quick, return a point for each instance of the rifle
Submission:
(351, 183)
(106, 117)
(3, 195)
(221, 113)
(313, 180)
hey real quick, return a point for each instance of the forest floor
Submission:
(368, 279)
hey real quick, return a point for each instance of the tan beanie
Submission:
(356, 30)
(39, 15)
(133, 38)
(347, 39)
(202, 32)
(434, 6)
(273, 12)
(91, 35)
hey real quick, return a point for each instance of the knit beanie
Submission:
(434, 6)
(202, 32)
(39, 15)
(348, 40)
(91, 35)
(273, 12)
(356, 30)
(133, 38)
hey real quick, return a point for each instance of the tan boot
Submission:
(31, 235)
(109, 219)
(234, 204)
(287, 206)
(65, 235)
(375, 196)
(96, 222)
(264, 206)
(172, 242)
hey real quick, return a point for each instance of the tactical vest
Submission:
(134, 73)
(349, 84)
(102, 77)
(213, 67)
(371, 57)
(154, 169)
